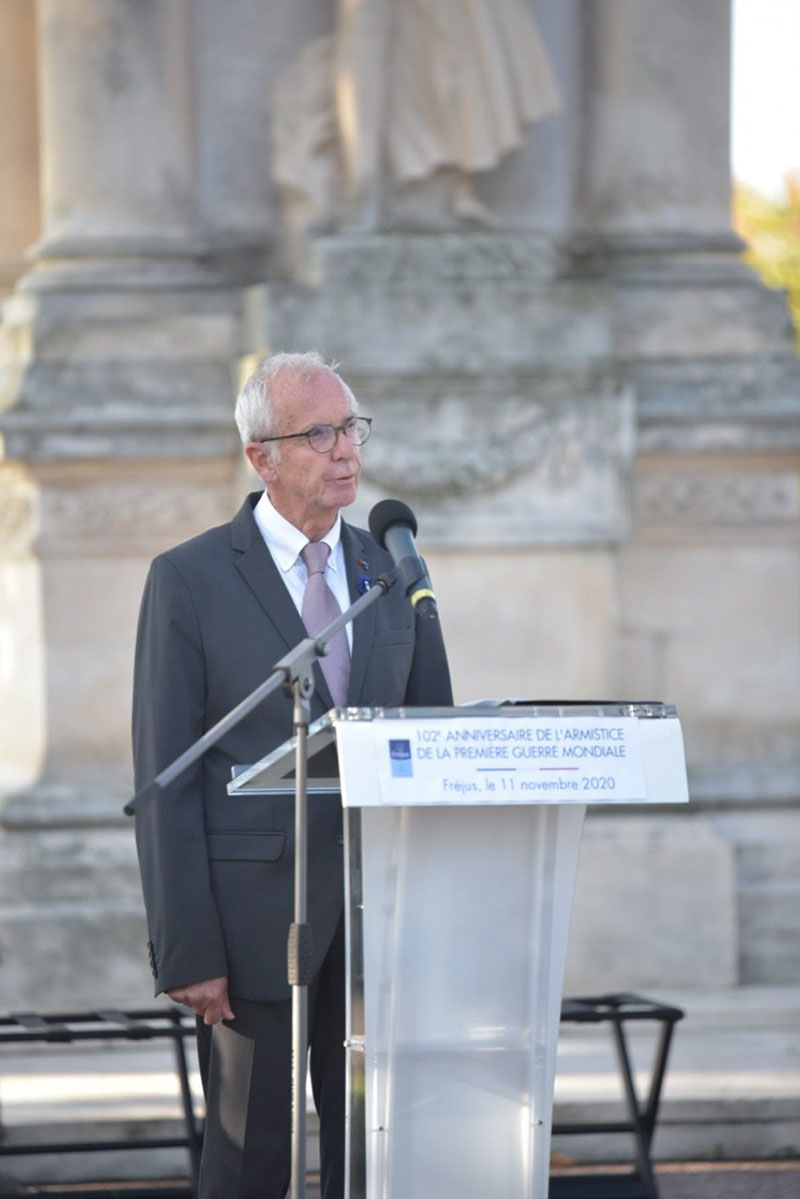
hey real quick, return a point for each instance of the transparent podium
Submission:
(462, 835)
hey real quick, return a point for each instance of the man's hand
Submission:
(208, 999)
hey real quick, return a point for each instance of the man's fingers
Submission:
(208, 999)
(216, 1012)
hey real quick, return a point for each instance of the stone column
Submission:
(653, 209)
(116, 122)
(121, 312)
(117, 371)
(655, 149)
(19, 153)
(708, 589)
(22, 726)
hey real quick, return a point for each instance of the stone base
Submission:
(655, 906)
(73, 929)
(76, 539)
(121, 360)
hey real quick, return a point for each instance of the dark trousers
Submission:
(246, 1068)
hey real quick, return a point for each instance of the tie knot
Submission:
(315, 555)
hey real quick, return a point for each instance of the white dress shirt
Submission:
(285, 542)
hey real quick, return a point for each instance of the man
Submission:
(217, 873)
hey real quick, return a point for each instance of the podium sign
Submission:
(508, 760)
(462, 834)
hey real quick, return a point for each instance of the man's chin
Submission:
(346, 493)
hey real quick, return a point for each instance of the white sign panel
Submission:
(476, 760)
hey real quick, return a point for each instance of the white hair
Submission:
(255, 411)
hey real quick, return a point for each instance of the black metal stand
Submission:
(59, 1029)
(67, 1028)
(617, 1010)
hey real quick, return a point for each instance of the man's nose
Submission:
(343, 446)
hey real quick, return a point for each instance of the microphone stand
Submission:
(295, 673)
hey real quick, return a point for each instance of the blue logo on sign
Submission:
(400, 757)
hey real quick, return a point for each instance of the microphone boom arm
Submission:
(285, 672)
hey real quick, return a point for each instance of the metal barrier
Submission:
(112, 1025)
(618, 1010)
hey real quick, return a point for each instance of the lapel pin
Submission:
(364, 581)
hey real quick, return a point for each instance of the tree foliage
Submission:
(771, 230)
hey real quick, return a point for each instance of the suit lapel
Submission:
(364, 626)
(257, 567)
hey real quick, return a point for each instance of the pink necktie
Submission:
(319, 610)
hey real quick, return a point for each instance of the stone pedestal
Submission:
(655, 907)
(76, 542)
(601, 448)
(708, 587)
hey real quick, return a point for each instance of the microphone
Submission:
(393, 525)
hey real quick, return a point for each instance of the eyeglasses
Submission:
(323, 438)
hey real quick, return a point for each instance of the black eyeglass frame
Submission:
(337, 429)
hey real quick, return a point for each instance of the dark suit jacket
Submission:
(217, 872)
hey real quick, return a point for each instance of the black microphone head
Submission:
(387, 513)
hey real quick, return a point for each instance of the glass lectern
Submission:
(462, 834)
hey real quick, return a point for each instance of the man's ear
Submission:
(260, 459)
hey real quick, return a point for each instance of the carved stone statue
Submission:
(405, 93)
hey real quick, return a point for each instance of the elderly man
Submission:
(217, 873)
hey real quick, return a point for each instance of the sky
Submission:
(765, 136)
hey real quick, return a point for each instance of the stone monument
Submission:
(591, 404)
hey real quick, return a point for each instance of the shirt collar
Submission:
(284, 541)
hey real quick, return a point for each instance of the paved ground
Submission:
(746, 1180)
(714, 1180)
(676, 1180)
